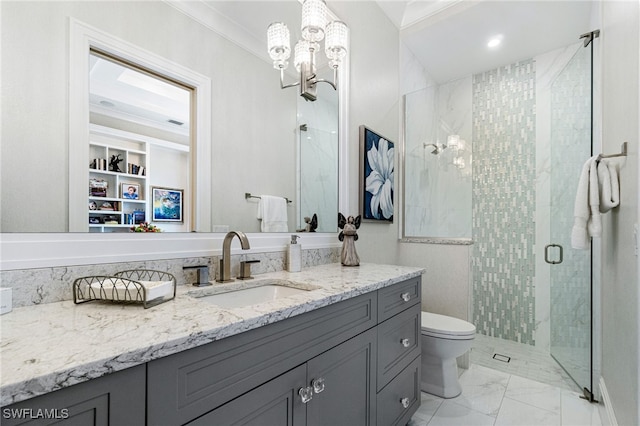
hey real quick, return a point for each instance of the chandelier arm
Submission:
(333, 83)
(285, 86)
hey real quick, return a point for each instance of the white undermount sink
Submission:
(247, 293)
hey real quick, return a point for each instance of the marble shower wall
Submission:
(47, 285)
(437, 193)
(319, 182)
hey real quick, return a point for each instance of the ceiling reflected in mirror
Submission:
(129, 94)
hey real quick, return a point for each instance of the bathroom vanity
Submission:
(346, 352)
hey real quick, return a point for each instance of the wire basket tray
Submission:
(132, 286)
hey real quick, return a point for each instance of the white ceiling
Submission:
(124, 93)
(449, 37)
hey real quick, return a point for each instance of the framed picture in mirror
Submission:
(167, 204)
(377, 156)
(130, 191)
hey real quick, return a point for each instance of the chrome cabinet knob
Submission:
(405, 402)
(405, 343)
(305, 394)
(318, 385)
(406, 297)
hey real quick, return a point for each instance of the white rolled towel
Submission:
(584, 225)
(595, 221)
(609, 186)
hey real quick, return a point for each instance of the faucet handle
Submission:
(203, 275)
(245, 269)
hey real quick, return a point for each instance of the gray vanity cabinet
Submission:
(274, 403)
(115, 399)
(184, 386)
(355, 362)
(339, 383)
(398, 372)
(347, 374)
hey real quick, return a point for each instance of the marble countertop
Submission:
(55, 345)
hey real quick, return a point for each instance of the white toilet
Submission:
(443, 340)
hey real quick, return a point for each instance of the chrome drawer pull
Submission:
(318, 384)
(406, 297)
(305, 394)
(405, 402)
(405, 343)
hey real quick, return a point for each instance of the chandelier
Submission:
(314, 29)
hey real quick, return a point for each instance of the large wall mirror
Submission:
(262, 140)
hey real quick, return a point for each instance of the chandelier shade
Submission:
(278, 42)
(314, 19)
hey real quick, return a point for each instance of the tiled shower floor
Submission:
(526, 361)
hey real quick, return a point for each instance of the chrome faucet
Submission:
(225, 262)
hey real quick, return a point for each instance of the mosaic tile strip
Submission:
(504, 202)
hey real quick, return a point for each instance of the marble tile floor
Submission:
(525, 361)
(530, 390)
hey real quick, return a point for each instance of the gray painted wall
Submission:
(620, 289)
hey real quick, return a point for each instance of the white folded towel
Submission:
(586, 224)
(273, 213)
(608, 185)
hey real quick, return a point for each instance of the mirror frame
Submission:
(41, 250)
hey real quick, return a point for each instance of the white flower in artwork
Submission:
(380, 181)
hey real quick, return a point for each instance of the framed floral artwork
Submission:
(167, 204)
(377, 157)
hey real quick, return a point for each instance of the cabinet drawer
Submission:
(398, 344)
(397, 298)
(186, 385)
(400, 399)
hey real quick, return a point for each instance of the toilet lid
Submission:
(442, 325)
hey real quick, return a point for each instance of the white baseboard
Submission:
(607, 416)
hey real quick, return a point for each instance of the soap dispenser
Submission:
(294, 258)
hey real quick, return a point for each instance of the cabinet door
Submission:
(115, 399)
(347, 373)
(276, 403)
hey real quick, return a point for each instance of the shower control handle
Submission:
(546, 254)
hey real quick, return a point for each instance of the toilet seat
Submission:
(445, 327)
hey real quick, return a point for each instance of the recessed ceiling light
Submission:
(494, 41)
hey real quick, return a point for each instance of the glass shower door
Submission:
(570, 269)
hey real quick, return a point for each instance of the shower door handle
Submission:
(546, 254)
